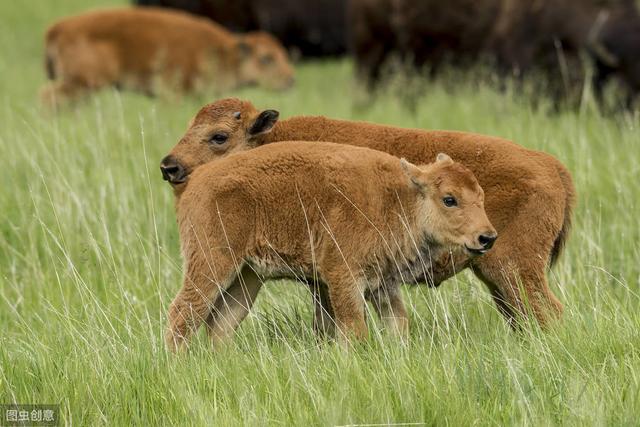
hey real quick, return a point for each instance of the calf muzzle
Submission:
(172, 170)
(487, 240)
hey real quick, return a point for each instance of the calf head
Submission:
(451, 205)
(263, 61)
(223, 127)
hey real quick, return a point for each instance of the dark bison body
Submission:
(617, 51)
(312, 27)
(516, 35)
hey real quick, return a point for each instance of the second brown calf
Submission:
(530, 194)
(358, 220)
(150, 49)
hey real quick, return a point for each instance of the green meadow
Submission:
(90, 260)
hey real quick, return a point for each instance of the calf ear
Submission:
(243, 48)
(191, 122)
(414, 173)
(443, 158)
(264, 122)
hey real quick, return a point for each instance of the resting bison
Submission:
(146, 49)
(529, 194)
(358, 220)
(518, 36)
(314, 28)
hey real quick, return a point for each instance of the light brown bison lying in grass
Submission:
(529, 194)
(358, 220)
(151, 49)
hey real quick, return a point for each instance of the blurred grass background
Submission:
(89, 261)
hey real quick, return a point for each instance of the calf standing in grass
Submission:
(358, 220)
(149, 49)
(530, 194)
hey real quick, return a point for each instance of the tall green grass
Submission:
(89, 261)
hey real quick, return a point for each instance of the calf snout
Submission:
(482, 243)
(486, 240)
(172, 170)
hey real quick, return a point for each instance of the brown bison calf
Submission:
(358, 220)
(148, 49)
(530, 194)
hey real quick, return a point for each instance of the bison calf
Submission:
(358, 220)
(530, 194)
(149, 49)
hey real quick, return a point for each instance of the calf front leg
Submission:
(233, 305)
(387, 302)
(348, 306)
(324, 325)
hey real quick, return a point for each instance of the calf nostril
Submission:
(171, 172)
(169, 169)
(487, 241)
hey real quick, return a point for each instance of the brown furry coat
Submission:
(150, 49)
(529, 194)
(355, 219)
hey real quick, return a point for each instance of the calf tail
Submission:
(570, 201)
(49, 66)
(49, 55)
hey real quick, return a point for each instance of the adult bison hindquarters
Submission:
(529, 194)
(520, 37)
(314, 28)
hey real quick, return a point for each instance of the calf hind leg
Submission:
(203, 283)
(57, 94)
(79, 68)
(515, 274)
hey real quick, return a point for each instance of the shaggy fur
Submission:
(518, 36)
(529, 194)
(148, 49)
(356, 219)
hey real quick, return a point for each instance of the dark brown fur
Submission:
(518, 36)
(314, 28)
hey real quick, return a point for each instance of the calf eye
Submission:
(218, 138)
(449, 201)
(266, 60)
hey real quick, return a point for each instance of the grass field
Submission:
(89, 261)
